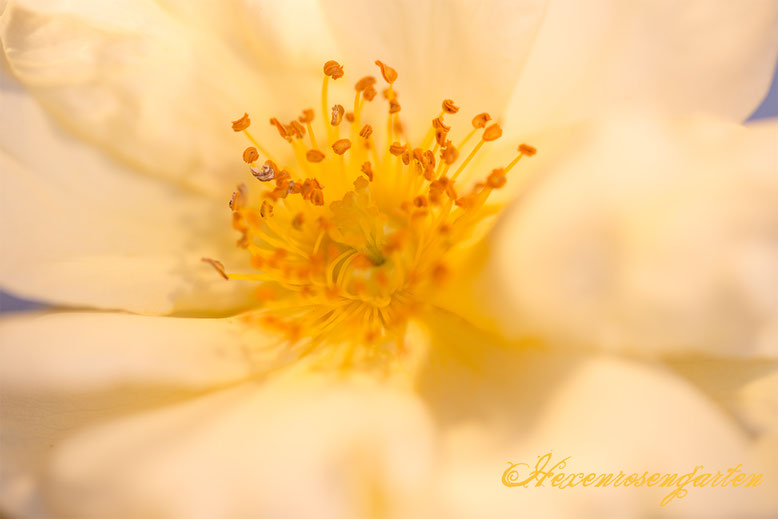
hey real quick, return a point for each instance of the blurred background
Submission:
(768, 108)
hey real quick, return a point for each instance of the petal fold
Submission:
(648, 236)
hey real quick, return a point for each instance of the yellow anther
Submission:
(333, 69)
(242, 123)
(341, 146)
(449, 107)
(314, 156)
(250, 154)
(480, 120)
(388, 73)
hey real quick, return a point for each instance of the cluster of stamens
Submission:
(348, 237)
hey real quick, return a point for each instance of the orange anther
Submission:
(333, 69)
(250, 154)
(242, 123)
(496, 179)
(280, 127)
(527, 150)
(480, 120)
(364, 83)
(449, 107)
(366, 131)
(266, 210)
(389, 74)
(492, 133)
(449, 154)
(341, 146)
(314, 156)
(397, 149)
(438, 124)
(307, 116)
(317, 197)
(370, 93)
(298, 130)
(337, 115)
(394, 106)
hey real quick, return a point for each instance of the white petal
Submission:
(471, 52)
(352, 449)
(676, 58)
(650, 236)
(130, 77)
(82, 230)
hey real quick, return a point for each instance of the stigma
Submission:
(348, 225)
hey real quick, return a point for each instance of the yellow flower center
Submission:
(348, 240)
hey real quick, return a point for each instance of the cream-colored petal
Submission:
(303, 447)
(648, 236)
(135, 80)
(78, 352)
(281, 38)
(471, 52)
(60, 372)
(497, 404)
(80, 229)
(677, 58)
(747, 388)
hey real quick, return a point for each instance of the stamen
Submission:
(341, 146)
(449, 107)
(250, 154)
(389, 74)
(217, 265)
(242, 123)
(360, 261)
